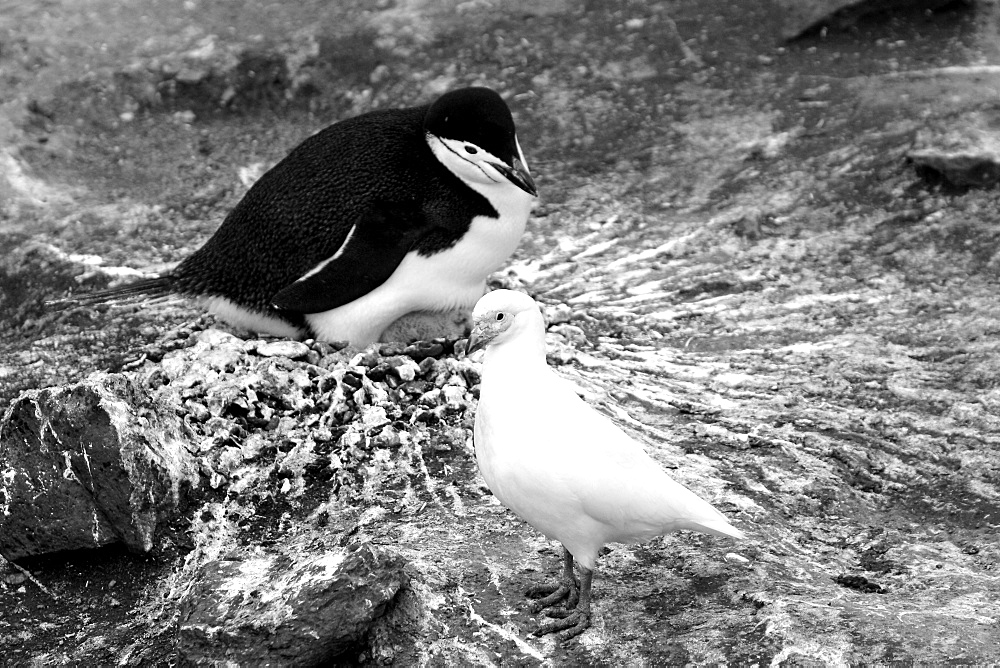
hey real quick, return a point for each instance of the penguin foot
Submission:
(570, 626)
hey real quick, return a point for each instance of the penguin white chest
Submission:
(450, 279)
(456, 276)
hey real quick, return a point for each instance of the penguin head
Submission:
(472, 133)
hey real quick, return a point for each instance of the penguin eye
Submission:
(471, 150)
(500, 317)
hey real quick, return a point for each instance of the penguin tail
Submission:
(146, 287)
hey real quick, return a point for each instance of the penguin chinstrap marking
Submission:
(377, 216)
(563, 467)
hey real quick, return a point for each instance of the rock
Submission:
(967, 153)
(291, 349)
(570, 333)
(421, 350)
(373, 417)
(803, 15)
(406, 371)
(218, 338)
(325, 348)
(289, 606)
(867, 436)
(557, 313)
(90, 464)
(366, 359)
(378, 372)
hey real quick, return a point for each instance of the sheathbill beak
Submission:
(478, 339)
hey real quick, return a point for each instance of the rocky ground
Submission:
(776, 263)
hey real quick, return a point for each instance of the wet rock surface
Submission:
(737, 261)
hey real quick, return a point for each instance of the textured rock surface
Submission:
(737, 260)
(299, 603)
(967, 153)
(89, 464)
(803, 15)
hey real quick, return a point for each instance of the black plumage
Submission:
(364, 192)
(299, 213)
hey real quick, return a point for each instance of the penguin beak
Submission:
(519, 176)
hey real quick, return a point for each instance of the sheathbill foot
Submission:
(566, 588)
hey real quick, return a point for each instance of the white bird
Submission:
(563, 467)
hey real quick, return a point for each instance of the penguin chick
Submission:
(563, 467)
(377, 216)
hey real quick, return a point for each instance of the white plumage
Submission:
(560, 465)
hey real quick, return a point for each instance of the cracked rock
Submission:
(965, 154)
(804, 15)
(289, 606)
(90, 464)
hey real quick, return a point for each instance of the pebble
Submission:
(560, 357)
(571, 333)
(424, 349)
(290, 349)
(557, 313)
(198, 411)
(388, 438)
(391, 349)
(428, 367)
(189, 75)
(328, 347)
(14, 578)
(453, 394)
(431, 398)
(366, 359)
(352, 380)
(373, 416)
(407, 371)
(378, 372)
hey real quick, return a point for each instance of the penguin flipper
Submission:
(370, 253)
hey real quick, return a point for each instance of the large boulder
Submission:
(964, 152)
(291, 605)
(89, 464)
(801, 16)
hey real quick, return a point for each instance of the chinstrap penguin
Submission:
(388, 213)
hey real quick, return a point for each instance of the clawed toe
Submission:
(541, 591)
(559, 613)
(571, 625)
(573, 619)
(549, 596)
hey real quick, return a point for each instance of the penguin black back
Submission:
(317, 193)
(374, 217)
